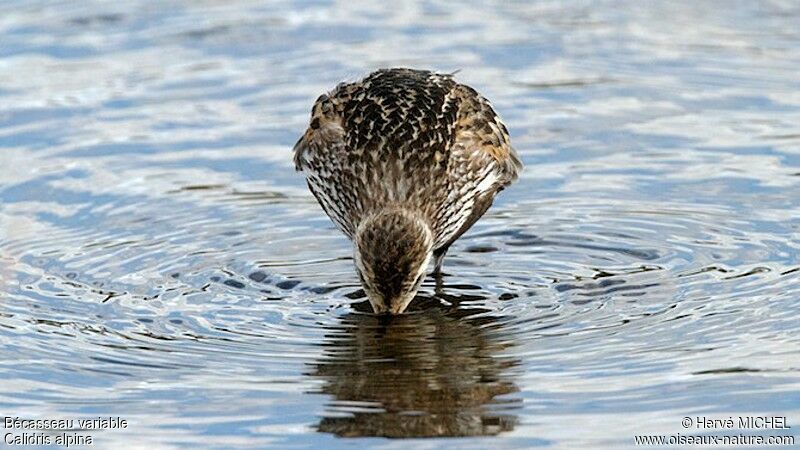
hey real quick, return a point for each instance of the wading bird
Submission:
(404, 162)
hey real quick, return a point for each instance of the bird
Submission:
(404, 162)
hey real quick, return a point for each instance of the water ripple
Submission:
(160, 259)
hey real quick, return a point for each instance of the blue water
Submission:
(161, 261)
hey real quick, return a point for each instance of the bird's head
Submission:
(392, 251)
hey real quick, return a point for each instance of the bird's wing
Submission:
(483, 137)
(484, 162)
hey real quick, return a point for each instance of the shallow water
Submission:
(161, 261)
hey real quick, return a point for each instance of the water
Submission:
(161, 261)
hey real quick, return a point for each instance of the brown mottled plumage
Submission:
(404, 162)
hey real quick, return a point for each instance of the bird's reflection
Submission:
(439, 372)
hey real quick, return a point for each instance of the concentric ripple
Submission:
(161, 261)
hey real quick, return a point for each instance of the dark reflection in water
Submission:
(437, 373)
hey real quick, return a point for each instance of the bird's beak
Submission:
(399, 306)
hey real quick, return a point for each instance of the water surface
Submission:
(161, 261)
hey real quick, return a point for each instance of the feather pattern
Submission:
(409, 139)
